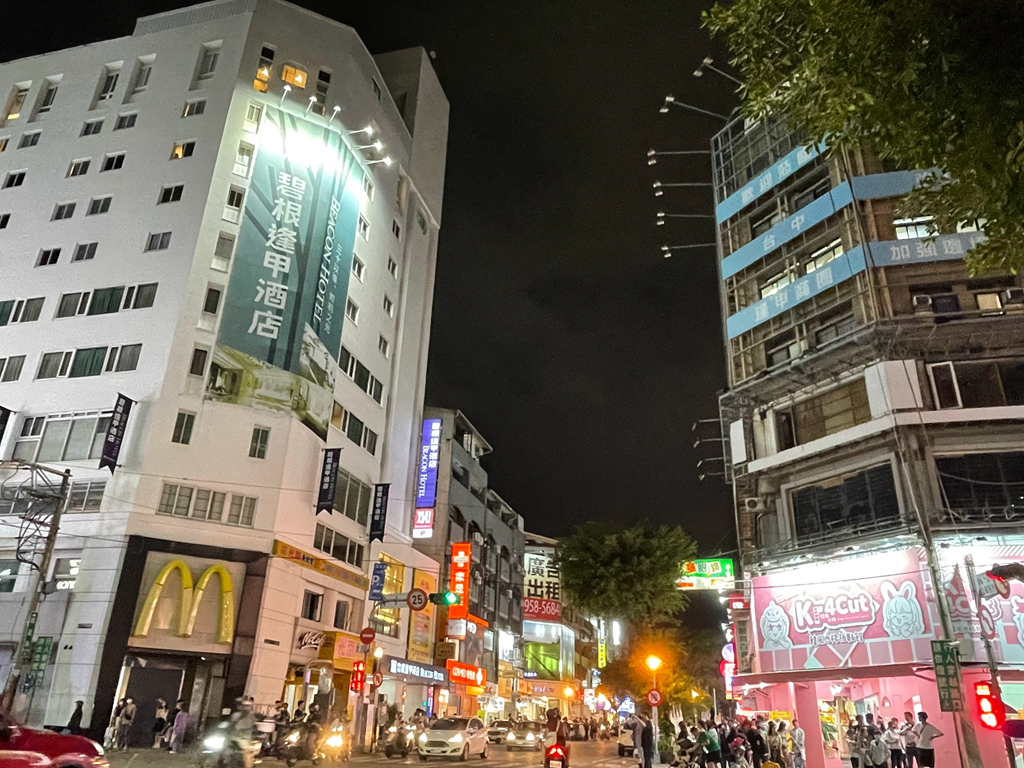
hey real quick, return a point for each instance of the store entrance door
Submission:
(145, 686)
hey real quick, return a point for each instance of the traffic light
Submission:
(444, 598)
(989, 707)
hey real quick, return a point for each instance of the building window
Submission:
(183, 149)
(29, 139)
(54, 365)
(16, 103)
(208, 62)
(908, 229)
(212, 301)
(311, 604)
(364, 227)
(323, 83)
(831, 412)
(396, 230)
(10, 367)
(85, 495)
(140, 297)
(183, 424)
(197, 365)
(67, 437)
(775, 283)
(352, 497)
(223, 251)
(9, 574)
(263, 69)
(862, 501)
(127, 358)
(14, 179)
(982, 384)
(20, 310)
(352, 311)
(294, 76)
(158, 241)
(339, 547)
(92, 127)
(233, 206)
(63, 211)
(171, 194)
(83, 252)
(393, 268)
(376, 88)
(194, 107)
(178, 500)
(5, 219)
(48, 257)
(342, 609)
(99, 205)
(368, 188)
(126, 121)
(106, 301)
(823, 256)
(358, 268)
(79, 167)
(112, 162)
(384, 346)
(388, 621)
(253, 113)
(65, 572)
(88, 362)
(108, 82)
(243, 160)
(258, 443)
(4, 141)
(983, 486)
(389, 307)
(72, 304)
(142, 75)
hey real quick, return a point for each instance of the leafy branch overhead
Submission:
(628, 574)
(931, 84)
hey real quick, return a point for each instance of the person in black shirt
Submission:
(758, 747)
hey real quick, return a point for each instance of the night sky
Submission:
(579, 352)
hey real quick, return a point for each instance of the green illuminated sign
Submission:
(713, 573)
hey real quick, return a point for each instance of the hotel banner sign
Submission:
(280, 333)
(115, 432)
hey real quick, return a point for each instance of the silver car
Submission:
(526, 735)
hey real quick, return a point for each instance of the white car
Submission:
(626, 746)
(454, 737)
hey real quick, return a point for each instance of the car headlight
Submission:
(511, 736)
(334, 741)
(423, 738)
(529, 737)
(214, 743)
(291, 738)
(456, 738)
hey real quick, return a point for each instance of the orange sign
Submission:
(466, 674)
(462, 559)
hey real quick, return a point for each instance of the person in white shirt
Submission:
(909, 741)
(894, 741)
(798, 736)
(926, 733)
(877, 752)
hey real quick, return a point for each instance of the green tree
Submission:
(932, 84)
(629, 574)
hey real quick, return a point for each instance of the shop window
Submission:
(388, 621)
(980, 484)
(866, 500)
(312, 602)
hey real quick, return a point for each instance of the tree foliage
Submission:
(628, 574)
(932, 84)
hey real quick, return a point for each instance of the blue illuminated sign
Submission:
(782, 170)
(426, 477)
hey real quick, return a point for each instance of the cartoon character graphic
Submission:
(1018, 617)
(901, 612)
(775, 629)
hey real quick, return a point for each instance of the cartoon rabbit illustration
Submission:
(775, 629)
(901, 612)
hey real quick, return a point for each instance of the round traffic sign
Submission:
(378, 679)
(417, 599)
(367, 635)
(654, 697)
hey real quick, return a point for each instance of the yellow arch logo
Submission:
(191, 597)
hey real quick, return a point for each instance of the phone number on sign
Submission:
(535, 608)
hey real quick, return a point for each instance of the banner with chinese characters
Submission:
(115, 432)
(421, 623)
(542, 587)
(379, 514)
(328, 480)
(709, 573)
(462, 561)
(280, 333)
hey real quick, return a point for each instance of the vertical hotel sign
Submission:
(280, 336)
(426, 480)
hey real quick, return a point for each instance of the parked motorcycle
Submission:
(603, 733)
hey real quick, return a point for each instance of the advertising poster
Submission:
(280, 333)
(542, 587)
(421, 623)
(824, 617)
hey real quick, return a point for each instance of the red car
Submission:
(23, 747)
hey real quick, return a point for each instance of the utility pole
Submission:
(23, 655)
(993, 669)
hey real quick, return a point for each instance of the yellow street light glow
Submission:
(653, 663)
(378, 653)
(569, 691)
(695, 694)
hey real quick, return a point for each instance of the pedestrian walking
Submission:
(179, 728)
(636, 727)
(160, 724)
(926, 733)
(774, 741)
(799, 740)
(787, 749)
(758, 746)
(74, 725)
(124, 723)
(647, 741)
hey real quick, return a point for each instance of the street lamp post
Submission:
(653, 664)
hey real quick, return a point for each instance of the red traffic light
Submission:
(990, 709)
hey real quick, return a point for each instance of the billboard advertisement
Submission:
(542, 587)
(825, 617)
(421, 623)
(280, 330)
(426, 479)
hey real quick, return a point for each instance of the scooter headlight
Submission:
(334, 741)
(292, 738)
(213, 743)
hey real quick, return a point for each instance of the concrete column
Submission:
(805, 699)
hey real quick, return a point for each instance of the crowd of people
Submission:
(765, 743)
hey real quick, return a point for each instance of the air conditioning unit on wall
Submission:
(753, 504)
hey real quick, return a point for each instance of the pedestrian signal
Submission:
(989, 707)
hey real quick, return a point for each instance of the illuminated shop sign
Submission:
(413, 672)
(466, 674)
(462, 559)
(426, 479)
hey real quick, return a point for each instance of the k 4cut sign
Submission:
(466, 674)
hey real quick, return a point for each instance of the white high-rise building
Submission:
(231, 219)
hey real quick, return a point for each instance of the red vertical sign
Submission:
(462, 558)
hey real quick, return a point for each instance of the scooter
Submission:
(603, 733)
(556, 756)
(397, 741)
(296, 744)
(334, 746)
(224, 748)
